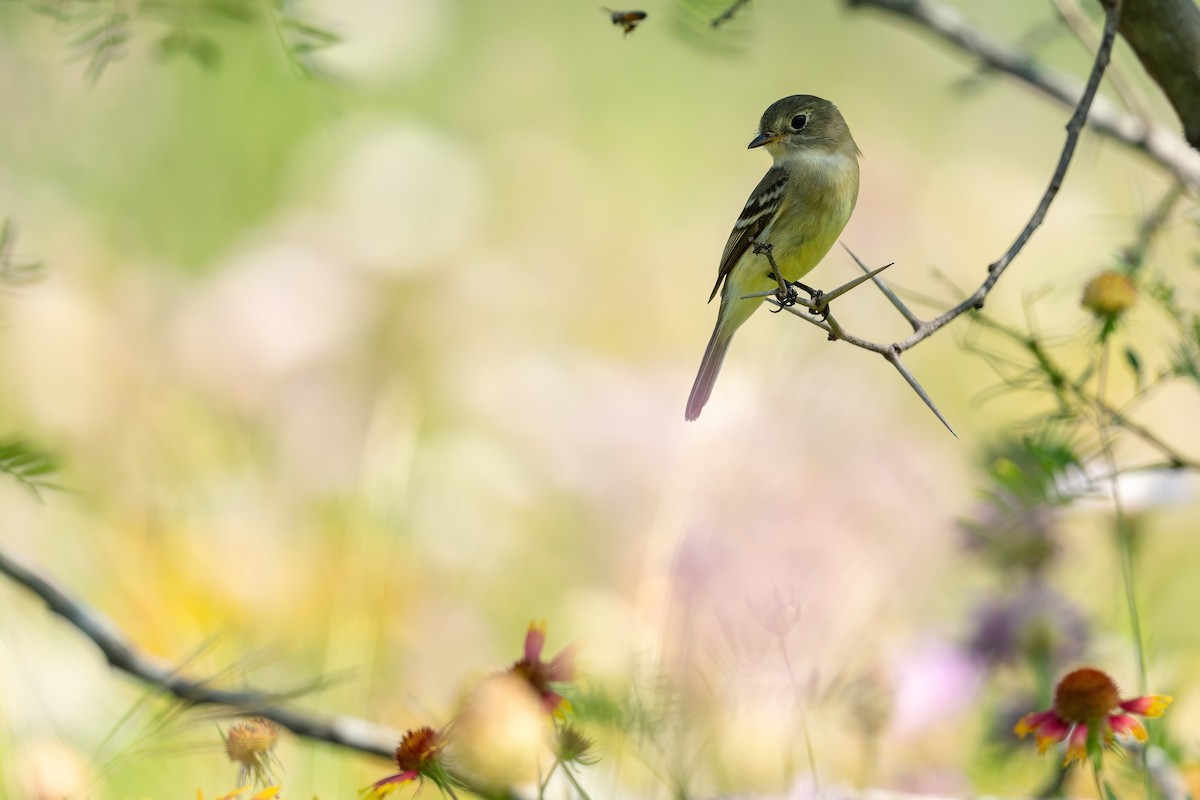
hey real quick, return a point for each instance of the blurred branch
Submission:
(1157, 142)
(349, 732)
(1057, 377)
(1165, 35)
(1074, 17)
(923, 329)
(1134, 255)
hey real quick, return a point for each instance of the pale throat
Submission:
(838, 164)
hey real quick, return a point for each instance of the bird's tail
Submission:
(710, 366)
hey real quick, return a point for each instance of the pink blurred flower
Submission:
(542, 675)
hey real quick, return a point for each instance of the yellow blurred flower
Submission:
(1109, 295)
(250, 744)
(502, 736)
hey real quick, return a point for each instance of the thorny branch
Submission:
(923, 329)
(1157, 142)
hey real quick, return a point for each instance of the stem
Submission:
(812, 758)
(546, 781)
(1124, 547)
(575, 783)
(1096, 775)
(1124, 539)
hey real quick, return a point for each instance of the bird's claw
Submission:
(818, 308)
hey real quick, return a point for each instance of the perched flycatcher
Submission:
(799, 208)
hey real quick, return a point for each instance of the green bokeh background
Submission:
(351, 380)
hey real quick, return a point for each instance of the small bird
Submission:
(798, 209)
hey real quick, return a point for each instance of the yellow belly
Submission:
(798, 245)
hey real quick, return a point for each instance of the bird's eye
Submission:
(799, 121)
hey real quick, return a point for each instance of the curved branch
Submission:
(349, 732)
(1157, 142)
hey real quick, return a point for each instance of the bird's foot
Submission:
(815, 305)
(785, 295)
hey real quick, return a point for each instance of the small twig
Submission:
(1135, 254)
(729, 13)
(1158, 142)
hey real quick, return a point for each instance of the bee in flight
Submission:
(628, 20)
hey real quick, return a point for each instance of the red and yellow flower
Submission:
(1084, 700)
(417, 756)
(542, 675)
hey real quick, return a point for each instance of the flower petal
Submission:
(1125, 724)
(1152, 705)
(389, 784)
(535, 640)
(1077, 746)
(1051, 732)
(1032, 721)
(562, 667)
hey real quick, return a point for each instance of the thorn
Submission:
(894, 359)
(896, 302)
(845, 287)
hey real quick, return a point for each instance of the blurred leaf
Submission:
(13, 273)
(320, 37)
(107, 28)
(1185, 363)
(102, 44)
(1135, 365)
(692, 21)
(26, 464)
(231, 9)
(599, 707)
(1031, 467)
(200, 48)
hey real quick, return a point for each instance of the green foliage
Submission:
(27, 465)
(713, 26)
(103, 29)
(1033, 467)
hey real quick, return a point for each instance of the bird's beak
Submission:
(762, 139)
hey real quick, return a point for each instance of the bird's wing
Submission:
(760, 209)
